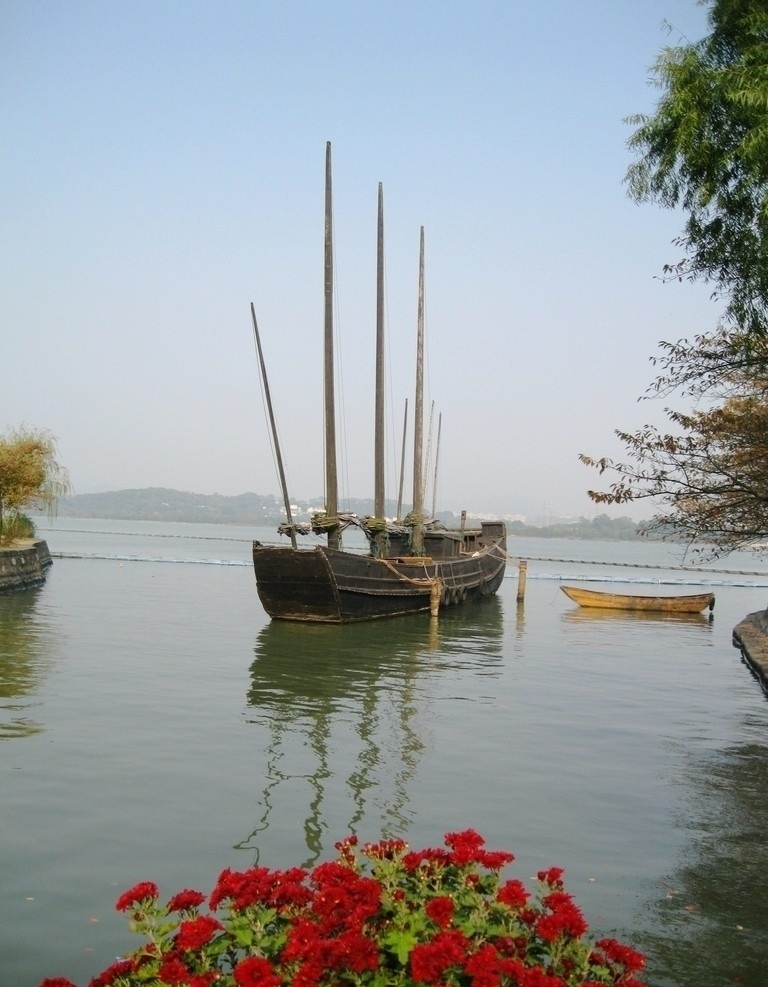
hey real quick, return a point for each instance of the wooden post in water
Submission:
(522, 573)
(434, 597)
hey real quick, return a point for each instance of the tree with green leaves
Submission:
(30, 477)
(705, 150)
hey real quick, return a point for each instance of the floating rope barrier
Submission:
(146, 534)
(147, 558)
(352, 519)
(642, 565)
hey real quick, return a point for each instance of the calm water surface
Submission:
(156, 725)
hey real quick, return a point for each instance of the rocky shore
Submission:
(751, 636)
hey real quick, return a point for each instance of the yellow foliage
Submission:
(30, 476)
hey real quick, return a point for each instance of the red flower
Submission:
(301, 937)
(566, 918)
(261, 886)
(467, 848)
(495, 859)
(440, 910)
(196, 932)
(353, 951)
(346, 849)
(552, 877)
(288, 888)
(464, 846)
(348, 841)
(308, 975)
(513, 894)
(430, 960)
(616, 952)
(328, 926)
(242, 888)
(57, 982)
(135, 895)
(331, 872)
(385, 849)
(484, 967)
(255, 971)
(429, 861)
(534, 976)
(185, 900)
(343, 900)
(173, 971)
(120, 969)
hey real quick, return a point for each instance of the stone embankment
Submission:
(24, 565)
(751, 636)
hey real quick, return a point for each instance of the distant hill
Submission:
(163, 504)
(600, 528)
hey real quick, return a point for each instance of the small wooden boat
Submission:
(693, 603)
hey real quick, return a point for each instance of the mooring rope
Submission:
(427, 583)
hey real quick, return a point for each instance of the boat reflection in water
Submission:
(343, 715)
(638, 616)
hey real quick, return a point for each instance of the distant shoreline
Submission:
(266, 510)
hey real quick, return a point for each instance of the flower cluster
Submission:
(381, 915)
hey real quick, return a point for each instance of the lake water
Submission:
(157, 726)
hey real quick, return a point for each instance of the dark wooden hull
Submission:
(324, 585)
(692, 603)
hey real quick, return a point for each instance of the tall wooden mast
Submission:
(378, 451)
(417, 535)
(331, 481)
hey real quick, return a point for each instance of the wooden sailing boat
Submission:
(410, 567)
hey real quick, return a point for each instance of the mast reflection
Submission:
(344, 713)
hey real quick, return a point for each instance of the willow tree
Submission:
(30, 477)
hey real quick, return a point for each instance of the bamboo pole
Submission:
(278, 456)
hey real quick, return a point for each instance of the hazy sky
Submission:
(163, 165)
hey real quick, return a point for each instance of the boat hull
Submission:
(692, 603)
(324, 585)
